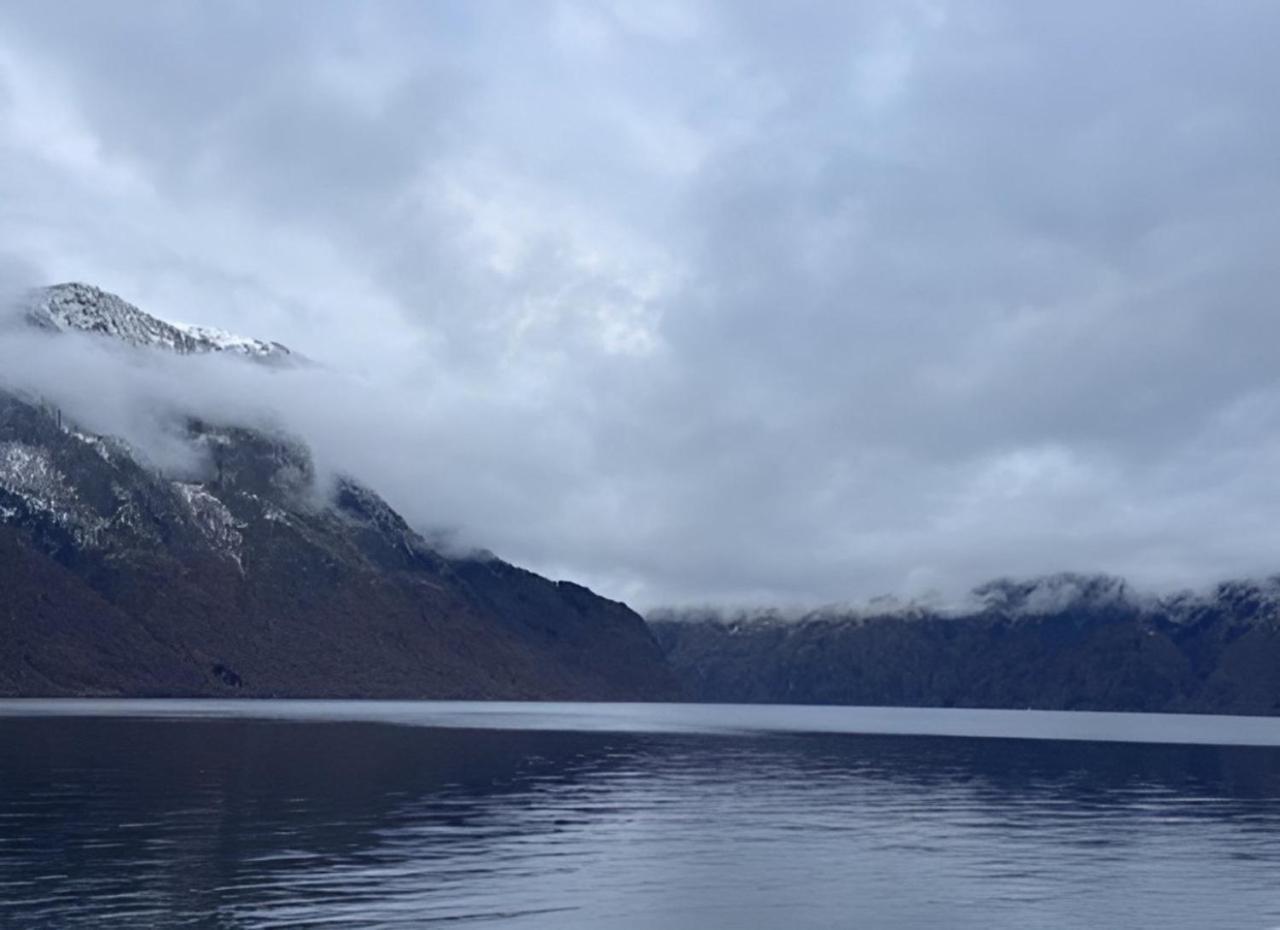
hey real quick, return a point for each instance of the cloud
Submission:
(707, 301)
(16, 280)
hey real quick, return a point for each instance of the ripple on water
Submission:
(254, 823)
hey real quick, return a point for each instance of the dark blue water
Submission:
(273, 814)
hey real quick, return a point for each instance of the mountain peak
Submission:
(84, 308)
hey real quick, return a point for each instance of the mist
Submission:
(144, 397)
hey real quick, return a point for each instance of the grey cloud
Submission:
(17, 277)
(709, 301)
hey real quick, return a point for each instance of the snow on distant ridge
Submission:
(1029, 598)
(84, 308)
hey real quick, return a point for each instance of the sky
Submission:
(704, 302)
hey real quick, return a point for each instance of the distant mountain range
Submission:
(251, 578)
(1066, 642)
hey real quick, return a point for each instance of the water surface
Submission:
(369, 814)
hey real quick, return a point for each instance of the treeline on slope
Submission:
(1065, 643)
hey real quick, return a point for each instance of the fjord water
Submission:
(274, 814)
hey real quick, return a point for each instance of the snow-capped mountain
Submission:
(85, 308)
(243, 571)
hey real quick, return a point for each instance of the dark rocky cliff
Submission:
(1065, 643)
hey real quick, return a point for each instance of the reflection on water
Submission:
(266, 823)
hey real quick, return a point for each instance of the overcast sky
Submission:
(711, 302)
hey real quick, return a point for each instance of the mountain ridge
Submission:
(1061, 642)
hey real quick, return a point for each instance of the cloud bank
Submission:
(738, 302)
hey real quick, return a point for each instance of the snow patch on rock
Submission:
(99, 444)
(214, 521)
(29, 474)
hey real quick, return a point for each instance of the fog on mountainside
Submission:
(204, 555)
(119, 386)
